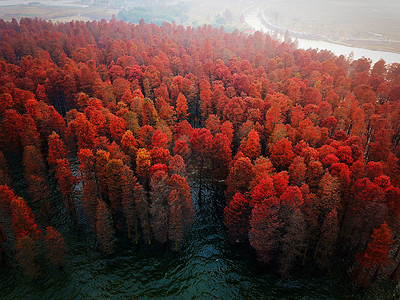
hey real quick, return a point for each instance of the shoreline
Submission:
(384, 46)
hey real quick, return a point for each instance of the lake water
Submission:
(208, 267)
(252, 18)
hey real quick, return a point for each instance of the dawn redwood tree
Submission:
(39, 190)
(281, 182)
(104, 229)
(373, 169)
(177, 165)
(376, 255)
(297, 171)
(95, 116)
(159, 140)
(206, 99)
(227, 129)
(329, 234)
(27, 254)
(12, 128)
(175, 231)
(221, 156)
(250, 146)
(149, 116)
(392, 200)
(282, 155)
(160, 192)
(102, 158)
(314, 174)
(33, 162)
(180, 217)
(55, 246)
(237, 216)
(183, 131)
(342, 172)
(114, 171)
(329, 200)
(144, 136)
(117, 128)
(329, 197)
(129, 145)
(263, 170)
(262, 191)
(84, 132)
(160, 155)
(181, 148)
(66, 182)
(6, 197)
(91, 189)
(3, 238)
(201, 142)
(293, 240)
(143, 211)
(128, 182)
(181, 108)
(143, 165)
(264, 228)
(292, 197)
(181, 211)
(57, 150)
(213, 123)
(5, 178)
(35, 176)
(26, 235)
(239, 178)
(22, 218)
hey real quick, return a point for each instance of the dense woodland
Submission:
(117, 120)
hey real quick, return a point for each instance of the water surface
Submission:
(207, 267)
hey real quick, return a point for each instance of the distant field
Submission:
(372, 24)
(59, 11)
(219, 13)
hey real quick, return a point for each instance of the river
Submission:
(253, 19)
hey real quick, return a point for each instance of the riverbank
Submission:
(364, 24)
(255, 20)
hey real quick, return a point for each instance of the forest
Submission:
(121, 124)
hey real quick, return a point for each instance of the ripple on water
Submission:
(207, 267)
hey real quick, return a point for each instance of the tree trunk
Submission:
(393, 275)
(136, 231)
(129, 228)
(72, 210)
(149, 231)
(317, 248)
(304, 255)
(375, 276)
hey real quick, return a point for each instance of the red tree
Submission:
(181, 212)
(250, 146)
(104, 229)
(264, 225)
(239, 178)
(181, 108)
(237, 214)
(376, 254)
(55, 246)
(282, 154)
(66, 185)
(57, 150)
